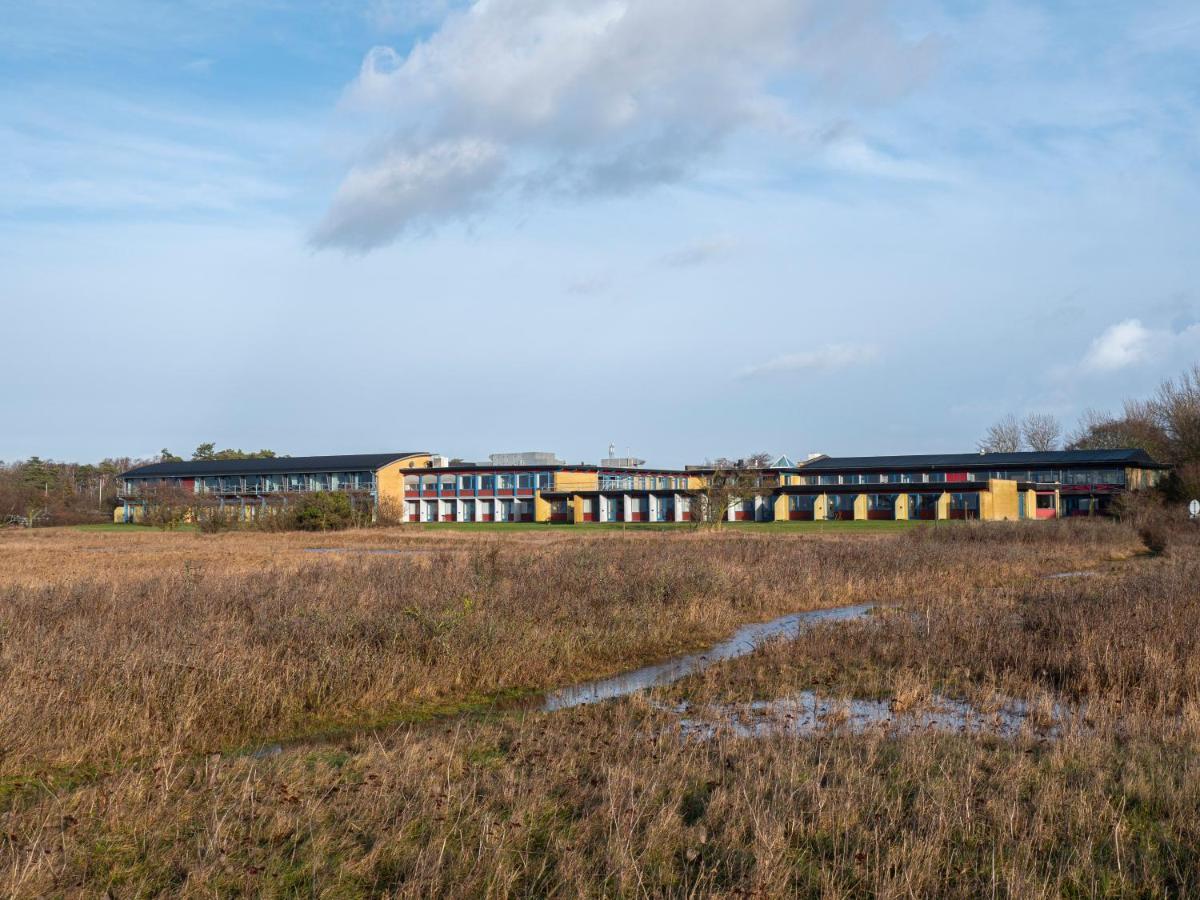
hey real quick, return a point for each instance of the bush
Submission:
(212, 520)
(323, 511)
(1153, 535)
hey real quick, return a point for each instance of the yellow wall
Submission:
(576, 481)
(821, 506)
(999, 502)
(1136, 479)
(541, 508)
(577, 509)
(781, 508)
(389, 480)
(902, 507)
(860, 506)
(943, 506)
(696, 482)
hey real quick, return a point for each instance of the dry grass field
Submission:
(139, 672)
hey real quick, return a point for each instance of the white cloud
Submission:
(595, 97)
(1124, 344)
(1130, 343)
(833, 356)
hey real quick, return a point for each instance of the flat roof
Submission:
(355, 462)
(1030, 459)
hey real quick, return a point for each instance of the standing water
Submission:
(745, 641)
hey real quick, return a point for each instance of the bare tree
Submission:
(1137, 427)
(1176, 411)
(1042, 432)
(724, 486)
(1003, 437)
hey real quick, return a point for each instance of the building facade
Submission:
(421, 487)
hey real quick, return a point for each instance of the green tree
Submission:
(208, 451)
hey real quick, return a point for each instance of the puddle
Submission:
(807, 714)
(744, 641)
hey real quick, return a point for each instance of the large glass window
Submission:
(525, 482)
(829, 479)
(487, 482)
(466, 482)
(231, 482)
(871, 478)
(319, 482)
(253, 482)
(505, 482)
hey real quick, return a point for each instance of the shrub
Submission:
(212, 520)
(323, 511)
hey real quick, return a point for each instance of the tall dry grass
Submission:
(605, 800)
(203, 656)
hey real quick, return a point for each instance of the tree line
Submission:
(1166, 425)
(38, 491)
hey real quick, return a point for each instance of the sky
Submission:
(689, 228)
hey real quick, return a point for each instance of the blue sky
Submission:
(691, 228)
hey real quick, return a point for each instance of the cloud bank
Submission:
(591, 97)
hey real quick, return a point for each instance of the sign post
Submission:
(1194, 509)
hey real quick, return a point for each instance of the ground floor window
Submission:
(922, 506)
(964, 506)
(881, 506)
(840, 506)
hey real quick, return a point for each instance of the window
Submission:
(525, 482)
(545, 481)
(487, 482)
(871, 479)
(253, 482)
(466, 482)
(829, 479)
(504, 482)
(1045, 501)
(231, 482)
(318, 482)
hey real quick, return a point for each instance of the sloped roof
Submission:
(1033, 460)
(356, 462)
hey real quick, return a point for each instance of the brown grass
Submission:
(137, 671)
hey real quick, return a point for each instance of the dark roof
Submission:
(1032, 460)
(356, 462)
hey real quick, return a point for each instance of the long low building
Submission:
(424, 487)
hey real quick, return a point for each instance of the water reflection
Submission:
(746, 640)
